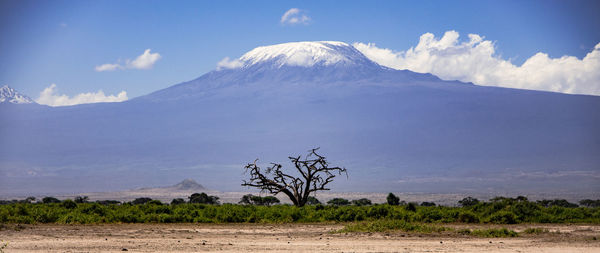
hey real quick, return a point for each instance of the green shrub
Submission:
(338, 202)
(68, 204)
(430, 215)
(48, 200)
(141, 201)
(203, 198)
(411, 207)
(312, 201)
(503, 217)
(468, 217)
(362, 202)
(392, 199)
(468, 201)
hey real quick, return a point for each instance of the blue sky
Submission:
(62, 42)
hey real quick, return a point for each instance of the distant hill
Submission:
(182, 189)
(188, 185)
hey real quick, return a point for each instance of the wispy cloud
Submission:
(227, 63)
(50, 97)
(144, 61)
(476, 61)
(295, 16)
(108, 67)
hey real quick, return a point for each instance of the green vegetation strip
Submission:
(501, 212)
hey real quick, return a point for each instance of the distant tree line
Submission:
(249, 199)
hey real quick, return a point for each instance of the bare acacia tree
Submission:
(314, 170)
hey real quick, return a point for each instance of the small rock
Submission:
(124, 249)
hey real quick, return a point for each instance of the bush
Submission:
(250, 199)
(69, 204)
(141, 201)
(177, 201)
(378, 212)
(361, 202)
(338, 202)
(468, 217)
(48, 200)
(81, 199)
(590, 203)
(468, 201)
(503, 217)
(108, 202)
(412, 207)
(557, 202)
(154, 202)
(392, 199)
(203, 198)
(312, 201)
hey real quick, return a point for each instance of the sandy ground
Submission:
(280, 238)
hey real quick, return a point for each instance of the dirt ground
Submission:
(282, 238)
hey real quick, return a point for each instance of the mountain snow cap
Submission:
(303, 54)
(10, 95)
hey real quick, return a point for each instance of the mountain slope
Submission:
(394, 130)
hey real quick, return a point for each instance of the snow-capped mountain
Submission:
(291, 65)
(305, 54)
(10, 95)
(394, 130)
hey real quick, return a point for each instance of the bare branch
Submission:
(315, 171)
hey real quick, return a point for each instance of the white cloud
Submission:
(108, 67)
(295, 16)
(227, 63)
(476, 61)
(144, 61)
(49, 97)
